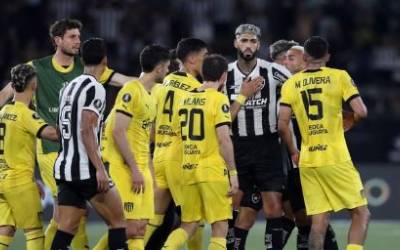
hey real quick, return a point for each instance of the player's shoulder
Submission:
(335, 71)
(231, 65)
(41, 62)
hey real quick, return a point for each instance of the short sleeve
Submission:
(286, 94)
(125, 100)
(95, 99)
(106, 76)
(222, 114)
(349, 87)
(33, 123)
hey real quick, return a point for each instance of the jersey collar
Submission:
(60, 68)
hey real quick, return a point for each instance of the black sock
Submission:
(274, 234)
(302, 237)
(61, 240)
(288, 226)
(330, 239)
(230, 237)
(240, 238)
(117, 238)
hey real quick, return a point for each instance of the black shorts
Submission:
(76, 193)
(259, 162)
(252, 199)
(294, 191)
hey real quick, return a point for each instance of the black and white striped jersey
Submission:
(259, 114)
(82, 93)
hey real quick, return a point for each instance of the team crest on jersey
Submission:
(97, 104)
(126, 97)
(225, 108)
(36, 116)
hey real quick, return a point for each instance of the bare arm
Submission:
(118, 79)
(121, 140)
(5, 94)
(50, 133)
(88, 123)
(359, 108)
(248, 88)
(285, 114)
(226, 148)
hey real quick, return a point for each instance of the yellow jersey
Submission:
(200, 113)
(19, 127)
(134, 101)
(316, 97)
(168, 145)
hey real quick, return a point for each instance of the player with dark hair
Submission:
(277, 50)
(167, 154)
(255, 125)
(329, 179)
(53, 73)
(127, 143)
(19, 126)
(208, 165)
(79, 171)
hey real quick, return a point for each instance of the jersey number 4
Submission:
(2, 135)
(169, 104)
(309, 100)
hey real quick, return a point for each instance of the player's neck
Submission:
(148, 81)
(315, 65)
(209, 85)
(246, 66)
(94, 71)
(62, 58)
(24, 97)
(187, 69)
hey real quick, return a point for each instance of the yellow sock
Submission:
(49, 234)
(135, 244)
(102, 244)
(34, 239)
(354, 247)
(5, 241)
(196, 241)
(217, 243)
(152, 226)
(176, 239)
(80, 240)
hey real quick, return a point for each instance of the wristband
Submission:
(232, 172)
(241, 99)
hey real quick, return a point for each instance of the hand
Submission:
(348, 120)
(234, 185)
(251, 86)
(40, 186)
(103, 180)
(137, 181)
(295, 157)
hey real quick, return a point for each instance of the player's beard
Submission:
(69, 52)
(247, 57)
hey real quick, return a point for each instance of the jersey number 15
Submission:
(309, 100)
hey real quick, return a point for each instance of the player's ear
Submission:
(327, 57)
(235, 43)
(57, 40)
(223, 78)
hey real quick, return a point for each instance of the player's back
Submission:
(19, 127)
(315, 97)
(167, 130)
(200, 114)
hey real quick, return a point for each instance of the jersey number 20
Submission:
(192, 121)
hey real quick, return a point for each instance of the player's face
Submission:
(247, 46)
(162, 70)
(70, 43)
(198, 59)
(294, 61)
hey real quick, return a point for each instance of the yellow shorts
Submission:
(168, 175)
(46, 167)
(206, 200)
(136, 206)
(21, 207)
(332, 188)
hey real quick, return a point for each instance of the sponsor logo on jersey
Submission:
(318, 147)
(189, 166)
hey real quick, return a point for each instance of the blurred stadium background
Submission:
(365, 40)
